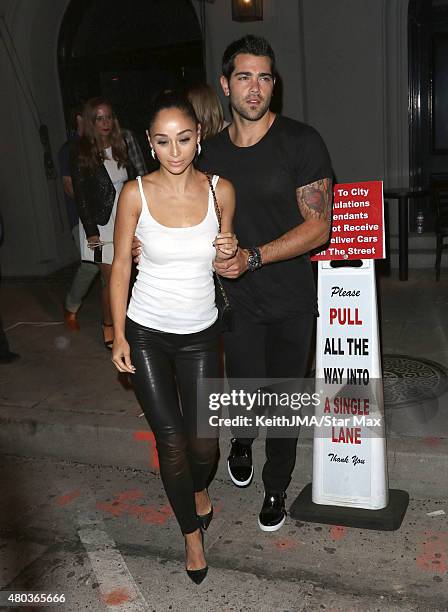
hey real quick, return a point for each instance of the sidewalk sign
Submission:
(350, 483)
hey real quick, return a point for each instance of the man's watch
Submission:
(254, 260)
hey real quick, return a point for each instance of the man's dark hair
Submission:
(253, 45)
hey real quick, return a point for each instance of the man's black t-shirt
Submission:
(265, 177)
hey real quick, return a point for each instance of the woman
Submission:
(209, 113)
(171, 320)
(104, 158)
(208, 109)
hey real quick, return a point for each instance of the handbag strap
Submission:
(222, 291)
(215, 201)
(218, 216)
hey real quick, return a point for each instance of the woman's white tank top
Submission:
(174, 291)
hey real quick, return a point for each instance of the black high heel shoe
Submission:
(197, 576)
(107, 343)
(205, 519)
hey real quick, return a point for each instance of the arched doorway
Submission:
(54, 42)
(127, 51)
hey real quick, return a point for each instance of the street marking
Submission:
(124, 504)
(337, 532)
(63, 500)
(286, 544)
(119, 591)
(148, 436)
(432, 441)
(433, 555)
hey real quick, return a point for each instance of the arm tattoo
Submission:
(314, 200)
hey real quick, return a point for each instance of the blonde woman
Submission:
(208, 109)
(105, 157)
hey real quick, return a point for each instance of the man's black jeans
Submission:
(274, 350)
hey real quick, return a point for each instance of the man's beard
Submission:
(251, 114)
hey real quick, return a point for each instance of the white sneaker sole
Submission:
(240, 483)
(271, 527)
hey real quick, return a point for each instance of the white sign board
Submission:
(349, 461)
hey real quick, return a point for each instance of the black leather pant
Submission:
(165, 383)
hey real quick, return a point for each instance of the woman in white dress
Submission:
(104, 158)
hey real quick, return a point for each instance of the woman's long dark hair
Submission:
(90, 147)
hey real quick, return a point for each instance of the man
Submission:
(281, 172)
(86, 271)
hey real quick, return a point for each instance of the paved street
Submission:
(83, 512)
(106, 538)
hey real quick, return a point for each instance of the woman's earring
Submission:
(153, 153)
(199, 148)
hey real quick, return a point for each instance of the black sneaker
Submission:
(273, 512)
(239, 463)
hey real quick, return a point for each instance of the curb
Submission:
(416, 465)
